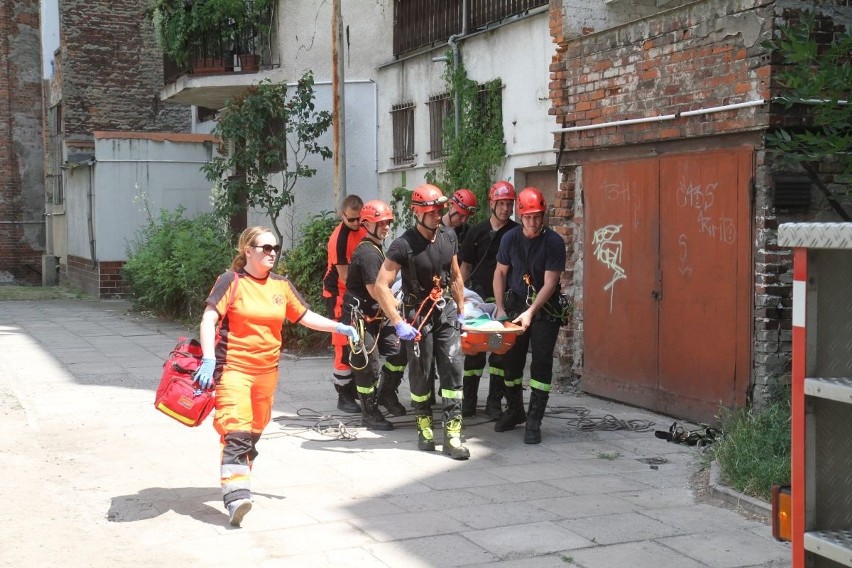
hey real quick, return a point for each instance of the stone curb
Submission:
(750, 504)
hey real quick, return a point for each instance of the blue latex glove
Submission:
(461, 319)
(405, 331)
(348, 331)
(204, 375)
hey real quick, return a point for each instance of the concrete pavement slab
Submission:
(96, 478)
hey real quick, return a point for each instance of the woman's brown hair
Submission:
(247, 239)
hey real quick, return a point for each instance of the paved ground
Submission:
(95, 477)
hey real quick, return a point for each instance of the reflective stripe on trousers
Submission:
(243, 409)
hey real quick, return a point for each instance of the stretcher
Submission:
(494, 336)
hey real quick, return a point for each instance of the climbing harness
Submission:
(360, 321)
(436, 297)
(559, 313)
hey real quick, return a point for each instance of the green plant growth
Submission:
(173, 262)
(754, 452)
(267, 133)
(304, 265)
(815, 77)
(476, 152)
(180, 24)
(401, 204)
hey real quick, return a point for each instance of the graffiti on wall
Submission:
(608, 252)
(692, 195)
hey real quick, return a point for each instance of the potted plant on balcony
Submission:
(205, 35)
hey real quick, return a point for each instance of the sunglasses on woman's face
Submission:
(267, 249)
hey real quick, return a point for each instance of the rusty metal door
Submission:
(674, 252)
(705, 262)
(621, 249)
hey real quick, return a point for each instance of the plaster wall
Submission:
(518, 53)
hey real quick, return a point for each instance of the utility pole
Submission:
(337, 110)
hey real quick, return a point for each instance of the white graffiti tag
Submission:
(694, 196)
(608, 252)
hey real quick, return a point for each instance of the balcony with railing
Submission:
(208, 60)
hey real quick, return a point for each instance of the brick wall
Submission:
(701, 55)
(21, 149)
(113, 71)
(102, 280)
(698, 56)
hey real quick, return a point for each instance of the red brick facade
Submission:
(699, 56)
(113, 71)
(21, 149)
(102, 280)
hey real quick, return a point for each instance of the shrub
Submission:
(304, 265)
(173, 262)
(754, 452)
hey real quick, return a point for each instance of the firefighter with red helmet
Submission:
(530, 262)
(463, 204)
(362, 311)
(432, 312)
(478, 260)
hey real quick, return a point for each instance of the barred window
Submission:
(403, 133)
(440, 110)
(490, 106)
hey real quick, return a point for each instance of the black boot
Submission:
(493, 404)
(514, 413)
(538, 402)
(387, 397)
(453, 445)
(346, 398)
(371, 416)
(470, 392)
(425, 435)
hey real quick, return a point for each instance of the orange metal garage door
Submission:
(667, 281)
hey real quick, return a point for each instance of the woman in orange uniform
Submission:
(242, 358)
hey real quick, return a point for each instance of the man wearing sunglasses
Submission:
(341, 245)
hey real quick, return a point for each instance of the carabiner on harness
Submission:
(359, 348)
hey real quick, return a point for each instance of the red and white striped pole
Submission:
(797, 521)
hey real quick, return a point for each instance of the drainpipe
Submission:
(91, 212)
(453, 43)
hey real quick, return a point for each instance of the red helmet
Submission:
(464, 202)
(501, 190)
(426, 198)
(375, 211)
(530, 200)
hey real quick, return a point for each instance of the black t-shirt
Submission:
(479, 249)
(363, 269)
(421, 259)
(545, 252)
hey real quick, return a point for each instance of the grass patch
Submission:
(16, 292)
(608, 455)
(754, 452)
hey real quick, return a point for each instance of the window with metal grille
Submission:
(440, 110)
(418, 23)
(490, 101)
(403, 133)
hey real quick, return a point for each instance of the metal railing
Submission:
(418, 23)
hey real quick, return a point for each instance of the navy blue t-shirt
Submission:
(545, 252)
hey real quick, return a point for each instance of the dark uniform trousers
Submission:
(541, 336)
(439, 341)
